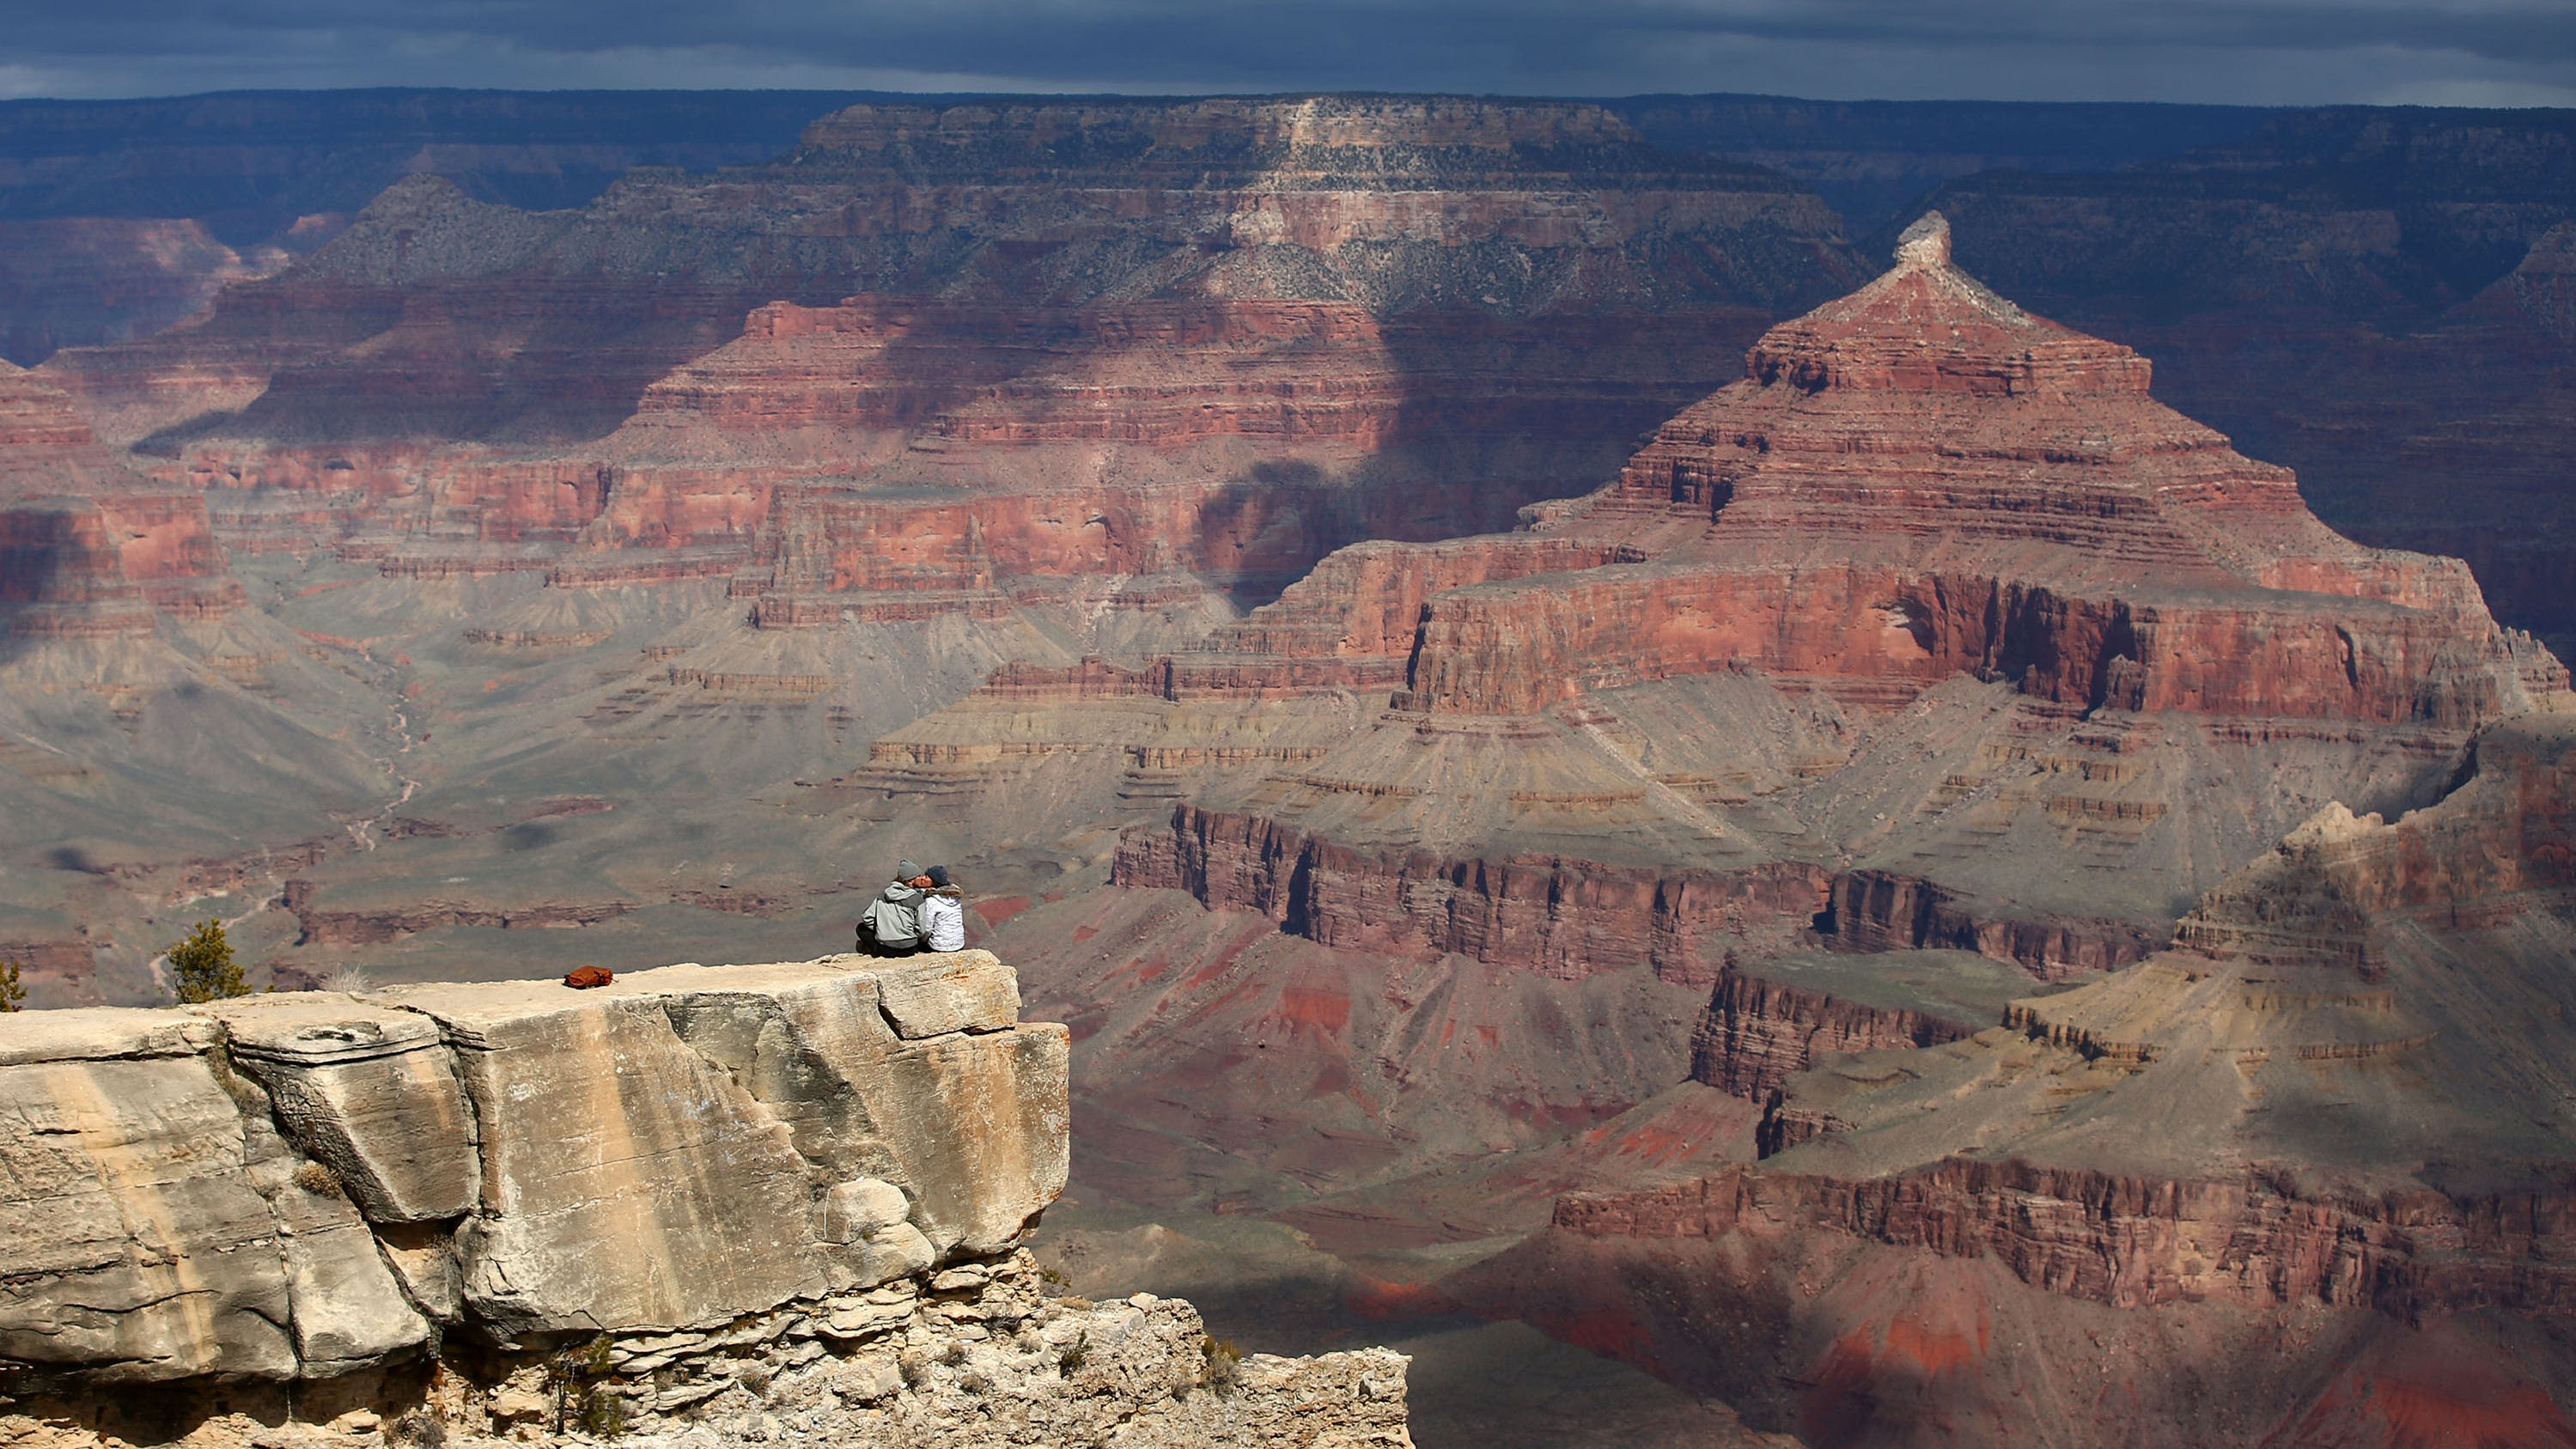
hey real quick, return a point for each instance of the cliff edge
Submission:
(701, 1194)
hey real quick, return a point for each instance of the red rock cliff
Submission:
(86, 545)
(1921, 480)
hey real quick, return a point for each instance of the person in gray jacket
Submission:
(892, 924)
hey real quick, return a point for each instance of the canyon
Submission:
(1716, 840)
(2330, 1108)
(888, 397)
(1543, 796)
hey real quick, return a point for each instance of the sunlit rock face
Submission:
(2005, 497)
(688, 1145)
(88, 546)
(699, 1191)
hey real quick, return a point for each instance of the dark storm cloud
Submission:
(2462, 51)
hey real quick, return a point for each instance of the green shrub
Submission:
(582, 1400)
(202, 967)
(13, 994)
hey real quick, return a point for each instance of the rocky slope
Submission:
(1936, 631)
(2334, 1106)
(970, 299)
(1927, 527)
(701, 1195)
(1929, 665)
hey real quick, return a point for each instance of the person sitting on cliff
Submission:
(892, 925)
(943, 913)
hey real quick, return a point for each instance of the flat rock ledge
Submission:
(717, 1204)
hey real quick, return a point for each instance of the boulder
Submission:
(371, 1092)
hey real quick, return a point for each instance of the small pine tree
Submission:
(13, 995)
(202, 967)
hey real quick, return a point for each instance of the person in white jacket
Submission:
(943, 914)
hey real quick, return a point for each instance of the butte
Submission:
(1931, 661)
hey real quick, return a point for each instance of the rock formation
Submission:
(2339, 1092)
(1666, 868)
(1233, 332)
(1935, 642)
(1928, 527)
(602, 1208)
(796, 452)
(2363, 295)
(87, 546)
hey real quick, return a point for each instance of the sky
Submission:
(2294, 52)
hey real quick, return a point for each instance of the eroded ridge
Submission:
(1191, 341)
(88, 546)
(690, 1192)
(2343, 1084)
(1927, 633)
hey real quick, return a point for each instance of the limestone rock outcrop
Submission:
(804, 1182)
(292, 1186)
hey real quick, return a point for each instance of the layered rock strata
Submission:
(2372, 297)
(505, 1135)
(1930, 643)
(2132, 1241)
(1557, 917)
(2342, 1088)
(87, 545)
(1759, 1033)
(1998, 495)
(2329, 1112)
(1254, 329)
(1926, 527)
(695, 1179)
